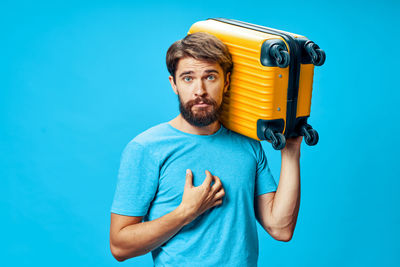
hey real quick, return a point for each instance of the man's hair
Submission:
(200, 46)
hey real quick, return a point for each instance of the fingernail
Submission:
(187, 171)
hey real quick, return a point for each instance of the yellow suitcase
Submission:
(271, 83)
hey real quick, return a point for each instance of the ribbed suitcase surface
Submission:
(265, 81)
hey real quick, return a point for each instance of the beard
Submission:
(201, 117)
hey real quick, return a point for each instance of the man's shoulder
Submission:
(149, 140)
(152, 135)
(242, 139)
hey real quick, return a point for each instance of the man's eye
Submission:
(211, 77)
(187, 79)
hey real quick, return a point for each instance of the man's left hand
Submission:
(294, 142)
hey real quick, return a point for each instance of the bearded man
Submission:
(190, 190)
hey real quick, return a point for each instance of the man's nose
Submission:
(200, 89)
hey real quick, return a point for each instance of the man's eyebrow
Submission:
(185, 73)
(191, 72)
(212, 71)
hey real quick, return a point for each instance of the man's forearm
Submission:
(286, 203)
(141, 238)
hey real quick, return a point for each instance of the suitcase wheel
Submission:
(310, 135)
(321, 57)
(317, 55)
(278, 140)
(281, 56)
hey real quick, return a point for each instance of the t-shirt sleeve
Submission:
(265, 182)
(137, 181)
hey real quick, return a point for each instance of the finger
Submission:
(189, 178)
(220, 194)
(208, 179)
(218, 202)
(217, 185)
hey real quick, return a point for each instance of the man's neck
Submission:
(182, 125)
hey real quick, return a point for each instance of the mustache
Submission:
(201, 100)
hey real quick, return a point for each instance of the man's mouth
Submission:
(201, 105)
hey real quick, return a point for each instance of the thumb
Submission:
(189, 178)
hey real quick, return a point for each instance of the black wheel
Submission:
(316, 54)
(320, 57)
(311, 137)
(285, 59)
(280, 55)
(279, 142)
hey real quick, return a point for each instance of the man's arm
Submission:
(129, 237)
(277, 212)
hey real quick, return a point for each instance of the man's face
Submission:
(200, 86)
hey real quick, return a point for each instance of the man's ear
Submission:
(173, 85)
(227, 80)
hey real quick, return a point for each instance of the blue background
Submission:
(79, 80)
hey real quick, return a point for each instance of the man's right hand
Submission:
(198, 199)
(152, 234)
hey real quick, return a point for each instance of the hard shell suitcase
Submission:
(271, 83)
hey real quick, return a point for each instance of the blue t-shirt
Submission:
(151, 182)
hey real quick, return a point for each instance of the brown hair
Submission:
(201, 46)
